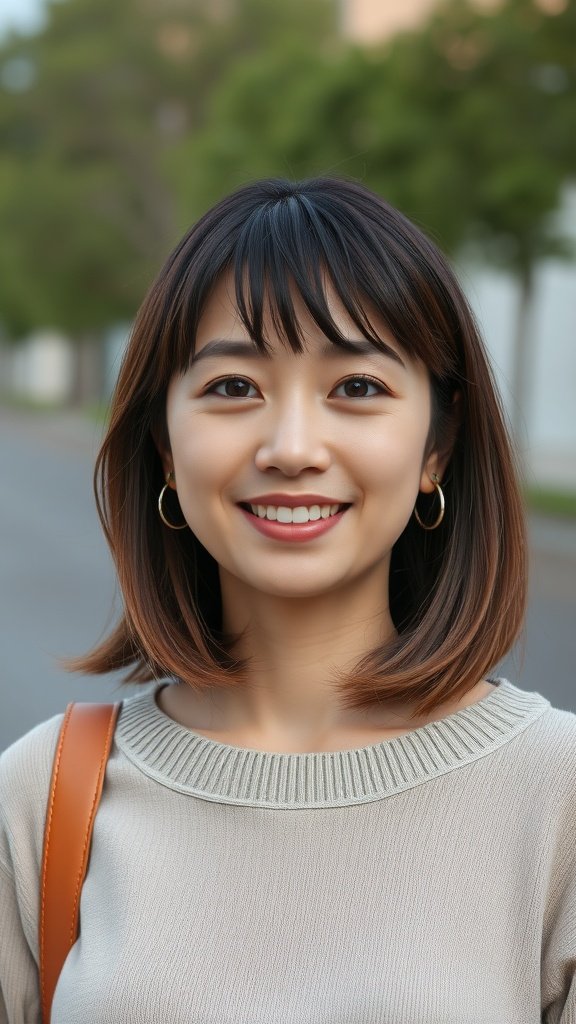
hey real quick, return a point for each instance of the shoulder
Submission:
(554, 733)
(547, 732)
(25, 774)
(545, 762)
(32, 753)
(541, 753)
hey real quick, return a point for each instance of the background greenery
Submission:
(121, 122)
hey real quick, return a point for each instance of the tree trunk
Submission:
(522, 364)
(88, 377)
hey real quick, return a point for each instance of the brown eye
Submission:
(357, 387)
(234, 387)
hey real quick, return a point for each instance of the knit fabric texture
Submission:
(426, 879)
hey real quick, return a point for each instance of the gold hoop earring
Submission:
(162, 516)
(440, 515)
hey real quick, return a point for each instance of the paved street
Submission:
(57, 592)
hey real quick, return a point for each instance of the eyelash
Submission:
(211, 389)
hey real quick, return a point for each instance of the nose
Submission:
(293, 439)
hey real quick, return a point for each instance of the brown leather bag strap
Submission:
(77, 779)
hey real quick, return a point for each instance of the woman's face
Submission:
(325, 427)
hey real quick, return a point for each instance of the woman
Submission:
(325, 808)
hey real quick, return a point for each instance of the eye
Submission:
(234, 387)
(356, 387)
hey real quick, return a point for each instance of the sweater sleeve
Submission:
(19, 991)
(558, 963)
(25, 772)
(562, 1010)
(561, 977)
(568, 1012)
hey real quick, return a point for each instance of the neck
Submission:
(295, 648)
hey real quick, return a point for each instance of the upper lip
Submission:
(293, 500)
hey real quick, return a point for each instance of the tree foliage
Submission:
(463, 123)
(95, 143)
(121, 122)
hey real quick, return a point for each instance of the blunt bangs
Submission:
(298, 236)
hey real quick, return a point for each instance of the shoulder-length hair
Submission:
(457, 594)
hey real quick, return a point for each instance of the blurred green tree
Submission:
(98, 115)
(85, 205)
(508, 82)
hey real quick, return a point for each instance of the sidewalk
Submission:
(65, 429)
(553, 536)
(552, 468)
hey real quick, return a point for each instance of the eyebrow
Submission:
(247, 349)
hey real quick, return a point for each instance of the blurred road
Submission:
(57, 591)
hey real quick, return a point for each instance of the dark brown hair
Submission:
(457, 593)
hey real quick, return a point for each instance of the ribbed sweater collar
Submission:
(189, 762)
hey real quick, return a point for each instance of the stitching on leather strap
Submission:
(47, 857)
(88, 833)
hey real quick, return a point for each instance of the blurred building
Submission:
(549, 429)
(371, 21)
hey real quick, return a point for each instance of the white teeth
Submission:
(299, 514)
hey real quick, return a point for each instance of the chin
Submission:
(295, 588)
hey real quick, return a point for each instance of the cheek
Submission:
(204, 462)
(393, 457)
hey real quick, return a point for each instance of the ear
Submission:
(162, 444)
(438, 459)
(433, 466)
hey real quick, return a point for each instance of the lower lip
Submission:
(292, 531)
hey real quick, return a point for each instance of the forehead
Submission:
(221, 319)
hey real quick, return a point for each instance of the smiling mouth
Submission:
(302, 514)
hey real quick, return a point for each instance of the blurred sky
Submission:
(21, 15)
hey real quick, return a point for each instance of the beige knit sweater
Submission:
(426, 879)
